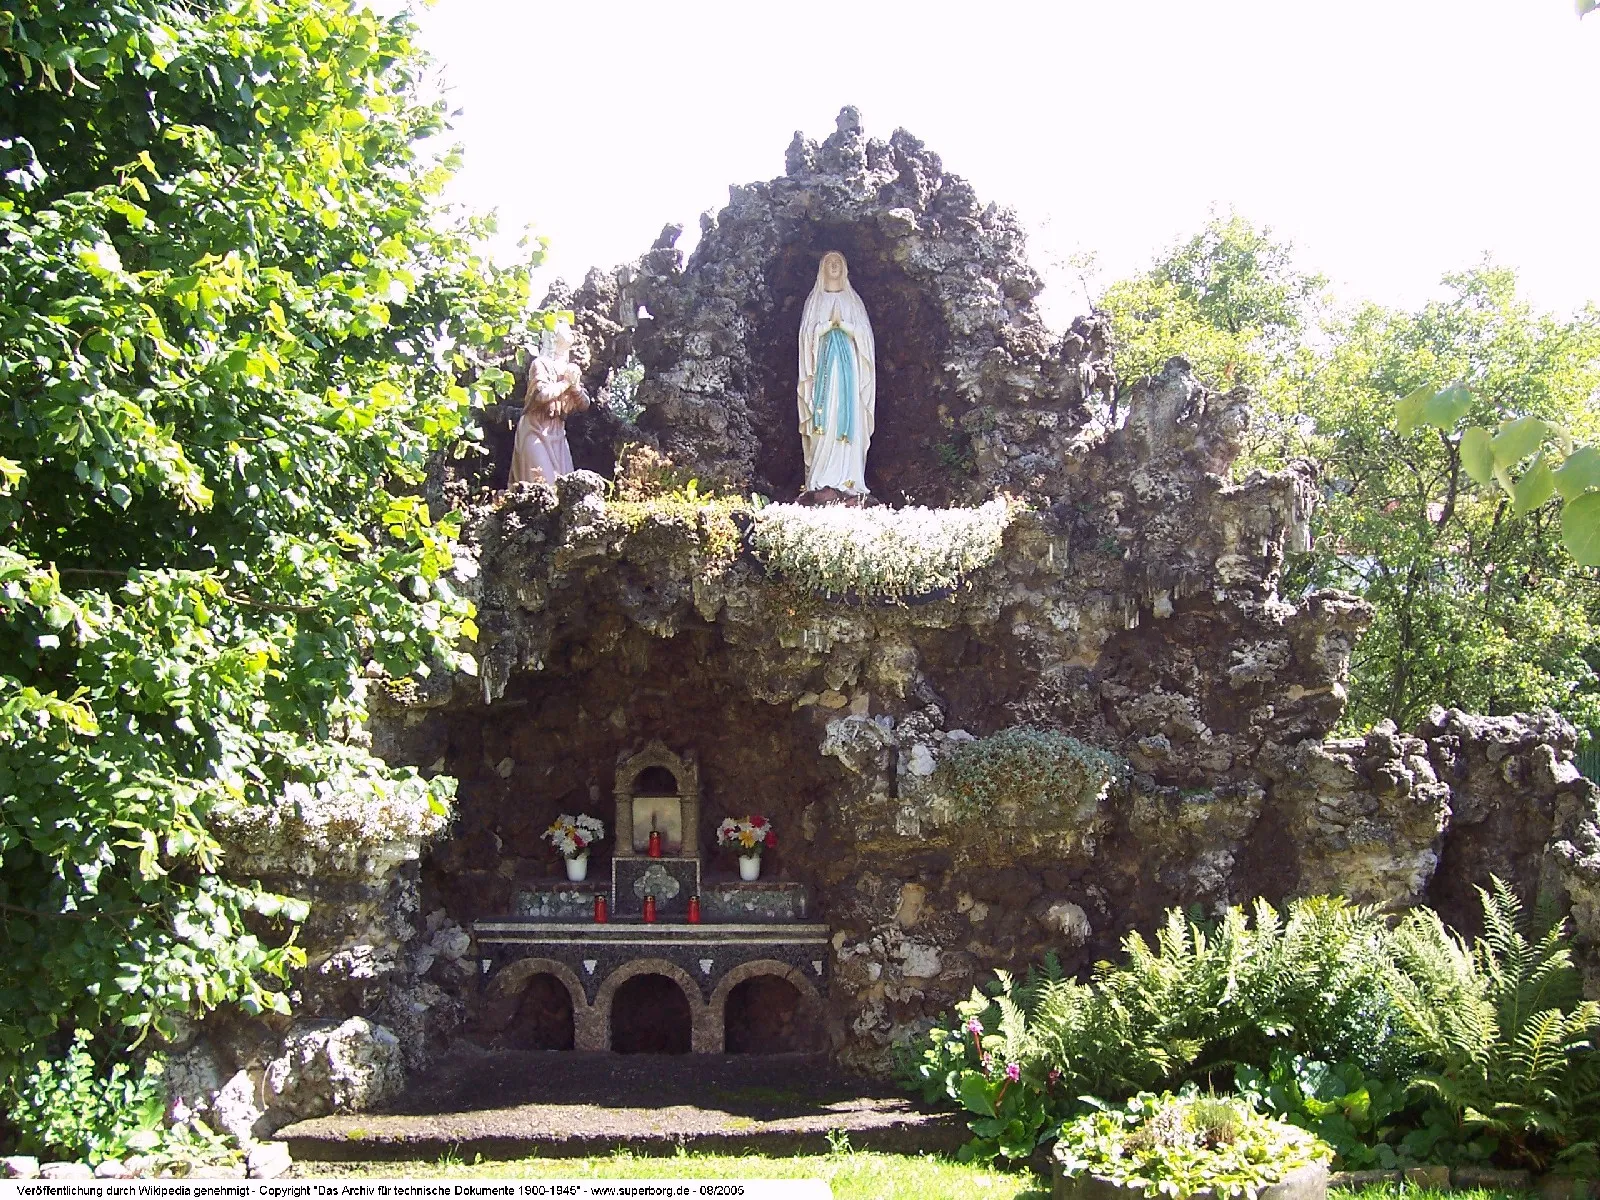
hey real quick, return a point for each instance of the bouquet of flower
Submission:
(747, 835)
(573, 835)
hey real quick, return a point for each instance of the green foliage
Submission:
(1508, 1040)
(1360, 1116)
(1487, 457)
(1477, 602)
(1232, 301)
(1028, 768)
(888, 553)
(1175, 1146)
(235, 317)
(1200, 1001)
(86, 1110)
(1394, 1046)
(1476, 598)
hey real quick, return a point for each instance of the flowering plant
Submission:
(747, 835)
(573, 835)
(893, 553)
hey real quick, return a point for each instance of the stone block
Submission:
(19, 1166)
(268, 1160)
(559, 902)
(670, 880)
(66, 1170)
(754, 903)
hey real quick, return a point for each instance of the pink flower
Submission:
(1054, 1077)
(1013, 1072)
(974, 1026)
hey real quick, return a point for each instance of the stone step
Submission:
(565, 1104)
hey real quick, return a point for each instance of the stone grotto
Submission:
(1095, 703)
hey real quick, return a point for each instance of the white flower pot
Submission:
(749, 867)
(578, 867)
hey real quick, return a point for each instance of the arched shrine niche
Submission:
(658, 790)
(544, 1018)
(915, 456)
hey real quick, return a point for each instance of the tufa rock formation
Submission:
(1117, 711)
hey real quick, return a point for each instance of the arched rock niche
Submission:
(564, 740)
(960, 341)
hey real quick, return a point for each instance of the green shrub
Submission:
(1201, 1000)
(70, 1105)
(1178, 1145)
(1507, 1040)
(1027, 767)
(1361, 1117)
(1395, 1046)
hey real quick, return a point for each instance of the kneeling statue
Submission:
(554, 392)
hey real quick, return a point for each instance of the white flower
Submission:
(889, 552)
(573, 836)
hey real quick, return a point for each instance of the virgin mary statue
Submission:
(838, 382)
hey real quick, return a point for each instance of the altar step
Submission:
(504, 1105)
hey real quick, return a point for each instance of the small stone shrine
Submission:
(744, 970)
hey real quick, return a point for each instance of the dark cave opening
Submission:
(543, 1020)
(768, 1015)
(552, 745)
(655, 781)
(916, 454)
(650, 1015)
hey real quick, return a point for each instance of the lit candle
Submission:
(655, 844)
(600, 914)
(649, 910)
(694, 910)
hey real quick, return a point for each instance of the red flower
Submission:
(758, 822)
(772, 839)
(578, 841)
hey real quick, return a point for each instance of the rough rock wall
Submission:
(1135, 606)
(363, 1013)
(974, 392)
(1138, 610)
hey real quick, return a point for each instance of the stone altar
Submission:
(747, 932)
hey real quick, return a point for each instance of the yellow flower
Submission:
(747, 839)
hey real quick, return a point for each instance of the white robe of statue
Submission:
(838, 382)
(554, 392)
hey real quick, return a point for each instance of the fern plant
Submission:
(1209, 996)
(1508, 1040)
(1201, 999)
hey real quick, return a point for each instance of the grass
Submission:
(852, 1174)
(1410, 1191)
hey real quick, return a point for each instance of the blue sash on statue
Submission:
(837, 351)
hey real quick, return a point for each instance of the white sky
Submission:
(1390, 140)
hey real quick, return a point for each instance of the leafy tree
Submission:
(1230, 299)
(1477, 602)
(233, 315)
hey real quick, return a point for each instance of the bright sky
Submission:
(1390, 140)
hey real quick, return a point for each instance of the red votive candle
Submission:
(601, 916)
(655, 843)
(649, 910)
(694, 910)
